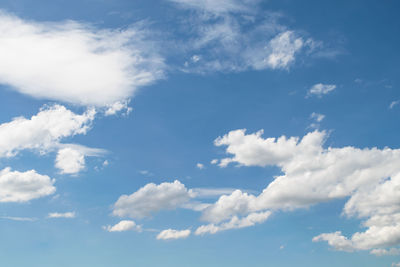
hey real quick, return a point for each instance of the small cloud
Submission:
(105, 163)
(173, 234)
(281, 247)
(200, 166)
(393, 104)
(119, 106)
(67, 215)
(317, 117)
(195, 58)
(123, 226)
(214, 161)
(20, 219)
(320, 89)
(359, 81)
(146, 172)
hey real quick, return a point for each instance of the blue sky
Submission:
(199, 133)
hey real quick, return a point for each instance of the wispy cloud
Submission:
(393, 104)
(66, 215)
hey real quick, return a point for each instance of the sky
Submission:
(199, 133)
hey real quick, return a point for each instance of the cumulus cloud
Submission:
(173, 234)
(43, 131)
(74, 62)
(70, 161)
(369, 178)
(67, 215)
(235, 223)
(321, 89)
(152, 198)
(18, 186)
(123, 226)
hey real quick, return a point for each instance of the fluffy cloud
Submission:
(43, 131)
(320, 89)
(235, 223)
(70, 161)
(123, 226)
(68, 215)
(152, 198)
(312, 174)
(173, 234)
(18, 186)
(74, 62)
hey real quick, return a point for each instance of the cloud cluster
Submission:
(231, 35)
(18, 186)
(312, 174)
(43, 131)
(76, 63)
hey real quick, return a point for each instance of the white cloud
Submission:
(385, 252)
(68, 215)
(152, 198)
(118, 106)
(214, 161)
(211, 192)
(320, 89)
(394, 264)
(369, 178)
(123, 226)
(173, 234)
(235, 223)
(19, 219)
(42, 132)
(220, 6)
(317, 117)
(283, 49)
(76, 63)
(200, 166)
(232, 35)
(70, 161)
(18, 186)
(393, 104)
